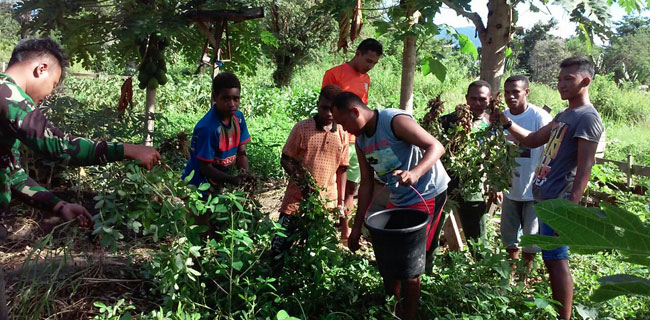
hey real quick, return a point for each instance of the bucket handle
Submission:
(374, 197)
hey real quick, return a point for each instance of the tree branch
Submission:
(473, 16)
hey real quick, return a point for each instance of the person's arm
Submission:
(341, 180)
(364, 199)
(29, 191)
(297, 174)
(525, 137)
(27, 124)
(341, 172)
(405, 128)
(586, 160)
(242, 158)
(244, 138)
(215, 175)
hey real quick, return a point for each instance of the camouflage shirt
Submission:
(21, 121)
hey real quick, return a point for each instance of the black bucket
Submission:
(399, 238)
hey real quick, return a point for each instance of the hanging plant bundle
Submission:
(478, 158)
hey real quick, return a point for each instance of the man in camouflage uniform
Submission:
(34, 70)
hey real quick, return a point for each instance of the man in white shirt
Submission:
(518, 215)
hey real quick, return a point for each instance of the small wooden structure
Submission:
(214, 23)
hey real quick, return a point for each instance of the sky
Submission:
(527, 18)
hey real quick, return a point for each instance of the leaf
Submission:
(126, 316)
(541, 303)
(508, 52)
(587, 230)
(194, 272)
(433, 65)
(269, 39)
(584, 36)
(587, 313)
(194, 250)
(204, 186)
(620, 284)
(283, 315)
(237, 265)
(466, 45)
(381, 27)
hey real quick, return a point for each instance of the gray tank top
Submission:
(386, 153)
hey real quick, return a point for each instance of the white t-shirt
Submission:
(533, 119)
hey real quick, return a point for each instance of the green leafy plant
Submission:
(589, 230)
(118, 311)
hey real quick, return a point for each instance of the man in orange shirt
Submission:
(353, 77)
(319, 146)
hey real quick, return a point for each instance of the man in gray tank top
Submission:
(564, 169)
(407, 158)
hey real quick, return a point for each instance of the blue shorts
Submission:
(561, 253)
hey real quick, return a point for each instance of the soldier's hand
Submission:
(147, 157)
(72, 211)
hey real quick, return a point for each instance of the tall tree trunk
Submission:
(408, 73)
(149, 112)
(498, 35)
(409, 58)
(494, 38)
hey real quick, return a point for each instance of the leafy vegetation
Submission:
(588, 231)
(169, 268)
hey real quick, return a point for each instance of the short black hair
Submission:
(330, 92)
(345, 100)
(224, 80)
(518, 77)
(478, 84)
(30, 48)
(583, 64)
(370, 44)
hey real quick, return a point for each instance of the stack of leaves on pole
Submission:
(591, 230)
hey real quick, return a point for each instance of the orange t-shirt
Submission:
(350, 80)
(319, 151)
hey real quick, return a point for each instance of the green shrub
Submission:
(628, 106)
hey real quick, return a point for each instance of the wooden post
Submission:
(452, 233)
(629, 171)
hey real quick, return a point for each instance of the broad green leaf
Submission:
(620, 284)
(587, 313)
(204, 186)
(642, 260)
(381, 27)
(587, 230)
(466, 45)
(433, 65)
(508, 52)
(283, 315)
(237, 265)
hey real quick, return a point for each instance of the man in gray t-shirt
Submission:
(558, 165)
(565, 166)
